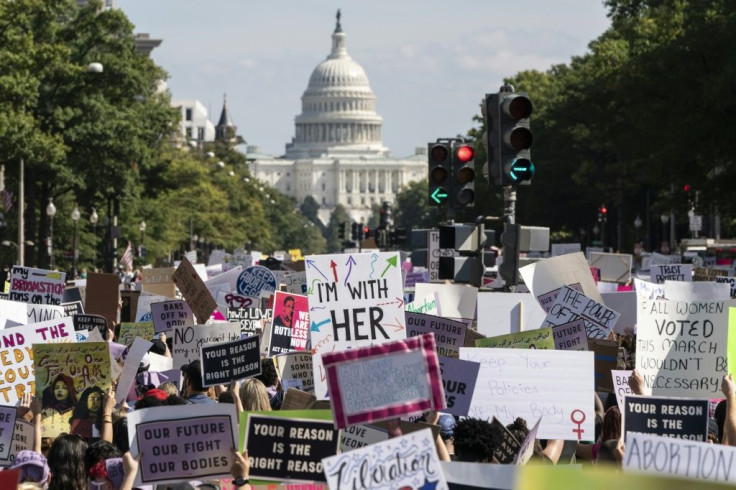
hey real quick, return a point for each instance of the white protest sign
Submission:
(296, 366)
(571, 305)
(670, 272)
(504, 313)
(188, 339)
(353, 297)
(471, 476)
(612, 267)
(357, 436)
(429, 305)
(681, 346)
(545, 277)
(621, 384)
(731, 281)
(42, 313)
(645, 289)
(296, 282)
(624, 303)
(36, 286)
(143, 309)
(130, 368)
(554, 385)
(456, 300)
(657, 258)
(375, 467)
(695, 460)
(227, 279)
(694, 291)
(12, 312)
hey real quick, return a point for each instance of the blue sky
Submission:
(429, 62)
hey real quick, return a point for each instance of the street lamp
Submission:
(93, 219)
(142, 227)
(75, 219)
(51, 212)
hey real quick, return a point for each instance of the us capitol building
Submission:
(337, 154)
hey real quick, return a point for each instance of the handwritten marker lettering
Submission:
(578, 422)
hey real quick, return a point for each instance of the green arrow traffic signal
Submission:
(439, 195)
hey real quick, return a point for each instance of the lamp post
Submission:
(142, 227)
(75, 219)
(93, 219)
(51, 212)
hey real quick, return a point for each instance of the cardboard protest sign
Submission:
(429, 305)
(620, 379)
(158, 282)
(570, 336)
(36, 286)
(16, 355)
(357, 436)
(571, 305)
(448, 335)
(290, 324)
(540, 338)
(613, 267)
(708, 274)
(682, 346)
(503, 313)
(230, 361)
(250, 319)
(288, 449)
(683, 418)
(102, 296)
(71, 381)
(7, 427)
(194, 291)
(554, 385)
(456, 301)
(384, 381)
(353, 297)
(375, 466)
(296, 282)
(458, 381)
(255, 280)
(527, 446)
(296, 366)
(42, 313)
(12, 313)
(545, 277)
(296, 399)
(129, 331)
(188, 339)
(22, 440)
(138, 349)
(696, 291)
(689, 459)
(169, 314)
(509, 447)
(606, 359)
(670, 272)
(186, 442)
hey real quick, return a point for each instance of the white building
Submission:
(195, 124)
(337, 154)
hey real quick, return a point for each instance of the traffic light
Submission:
(385, 215)
(367, 232)
(463, 167)
(603, 214)
(509, 138)
(341, 231)
(440, 172)
(354, 231)
(509, 268)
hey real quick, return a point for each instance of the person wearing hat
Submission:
(191, 386)
(32, 465)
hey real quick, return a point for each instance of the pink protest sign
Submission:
(384, 381)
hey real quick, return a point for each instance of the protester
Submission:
(66, 463)
(32, 465)
(475, 441)
(192, 388)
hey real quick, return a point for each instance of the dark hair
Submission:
(100, 450)
(175, 400)
(518, 429)
(475, 440)
(289, 298)
(48, 400)
(120, 434)
(226, 397)
(268, 376)
(720, 415)
(611, 424)
(82, 412)
(66, 463)
(148, 402)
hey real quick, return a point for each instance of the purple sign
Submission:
(7, 424)
(458, 379)
(570, 336)
(169, 314)
(449, 335)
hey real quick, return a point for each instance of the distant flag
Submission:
(7, 198)
(127, 259)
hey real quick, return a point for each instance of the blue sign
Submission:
(254, 280)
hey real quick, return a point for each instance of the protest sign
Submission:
(623, 303)
(708, 274)
(115, 471)
(71, 381)
(296, 366)
(22, 440)
(620, 379)
(682, 346)
(143, 306)
(683, 418)
(563, 249)
(36, 286)
(357, 436)
(235, 300)
(130, 368)
(71, 309)
(296, 399)
(158, 282)
(12, 313)
(293, 383)
(384, 381)
(527, 446)
(194, 291)
(448, 335)
(86, 323)
(290, 324)
(540, 338)
(606, 359)
(434, 252)
(545, 277)
(188, 339)
(230, 361)
(503, 313)
(458, 381)
(406, 461)
(508, 448)
(186, 442)
(691, 291)
(478, 476)
(102, 296)
(16, 355)
(612, 267)
(670, 272)
(697, 460)
(289, 449)
(296, 282)
(7, 427)
(572, 305)
(647, 290)
(456, 301)
(248, 318)
(129, 331)
(570, 336)
(42, 313)
(731, 281)
(169, 314)
(429, 305)
(554, 385)
(412, 278)
(255, 280)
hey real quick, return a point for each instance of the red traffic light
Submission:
(603, 210)
(464, 154)
(686, 188)
(366, 229)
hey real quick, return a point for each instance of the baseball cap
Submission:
(193, 370)
(32, 465)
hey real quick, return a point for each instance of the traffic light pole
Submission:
(509, 204)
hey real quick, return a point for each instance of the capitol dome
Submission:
(338, 109)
